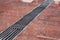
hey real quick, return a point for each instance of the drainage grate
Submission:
(15, 29)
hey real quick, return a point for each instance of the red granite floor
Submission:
(45, 26)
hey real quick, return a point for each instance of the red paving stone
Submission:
(12, 10)
(45, 26)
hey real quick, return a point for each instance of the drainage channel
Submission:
(16, 28)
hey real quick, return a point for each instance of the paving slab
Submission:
(45, 26)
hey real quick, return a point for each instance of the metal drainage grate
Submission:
(15, 29)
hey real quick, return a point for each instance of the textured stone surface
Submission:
(45, 26)
(13, 10)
